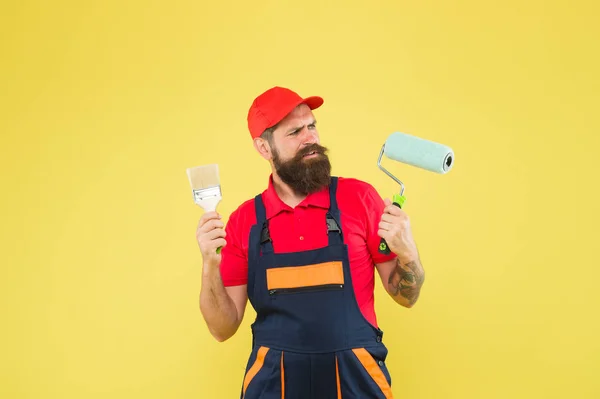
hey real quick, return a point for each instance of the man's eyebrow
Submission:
(314, 122)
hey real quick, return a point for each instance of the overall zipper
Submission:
(325, 287)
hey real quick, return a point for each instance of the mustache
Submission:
(311, 148)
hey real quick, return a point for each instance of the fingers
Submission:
(385, 234)
(213, 234)
(209, 248)
(219, 243)
(392, 209)
(395, 219)
(210, 231)
(208, 216)
(391, 224)
(385, 225)
(211, 224)
(388, 230)
(388, 218)
(209, 242)
(210, 234)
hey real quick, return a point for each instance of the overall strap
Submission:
(265, 241)
(334, 220)
(257, 232)
(259, 207)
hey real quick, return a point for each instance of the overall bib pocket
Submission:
(327, 276)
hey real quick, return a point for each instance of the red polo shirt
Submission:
(292, 230)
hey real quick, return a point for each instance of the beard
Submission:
(304, 176)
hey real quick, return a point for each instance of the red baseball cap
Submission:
(269, 108)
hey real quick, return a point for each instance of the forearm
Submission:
(405, 281)
(218, 309)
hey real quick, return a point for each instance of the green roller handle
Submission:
(398, 201)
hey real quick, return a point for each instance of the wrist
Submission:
(210, 270)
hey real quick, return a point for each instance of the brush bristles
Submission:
(203, 176)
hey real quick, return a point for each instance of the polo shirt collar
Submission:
(274, 205)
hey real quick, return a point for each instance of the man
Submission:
(304, 252)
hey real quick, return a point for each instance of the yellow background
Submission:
(105, 104)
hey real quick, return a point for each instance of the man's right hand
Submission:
(210, 236)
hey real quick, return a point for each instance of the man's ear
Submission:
(262, 146)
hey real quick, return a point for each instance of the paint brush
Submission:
(206, 187)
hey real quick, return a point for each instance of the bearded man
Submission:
(304, 253)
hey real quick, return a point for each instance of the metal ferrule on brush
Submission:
(206, 193)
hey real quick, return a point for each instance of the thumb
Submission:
(387, 202)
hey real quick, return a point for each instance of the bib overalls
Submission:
(310, 339)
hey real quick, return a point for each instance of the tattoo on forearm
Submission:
(407, 280)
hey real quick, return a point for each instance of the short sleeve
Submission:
(234, 259)
(374, 207)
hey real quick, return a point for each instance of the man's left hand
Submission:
(394, 227)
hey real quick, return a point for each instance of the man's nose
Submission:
(310, 136)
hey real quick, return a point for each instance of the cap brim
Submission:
(313, 102)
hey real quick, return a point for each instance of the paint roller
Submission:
(414, 151)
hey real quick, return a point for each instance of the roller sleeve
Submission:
(419, 152)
